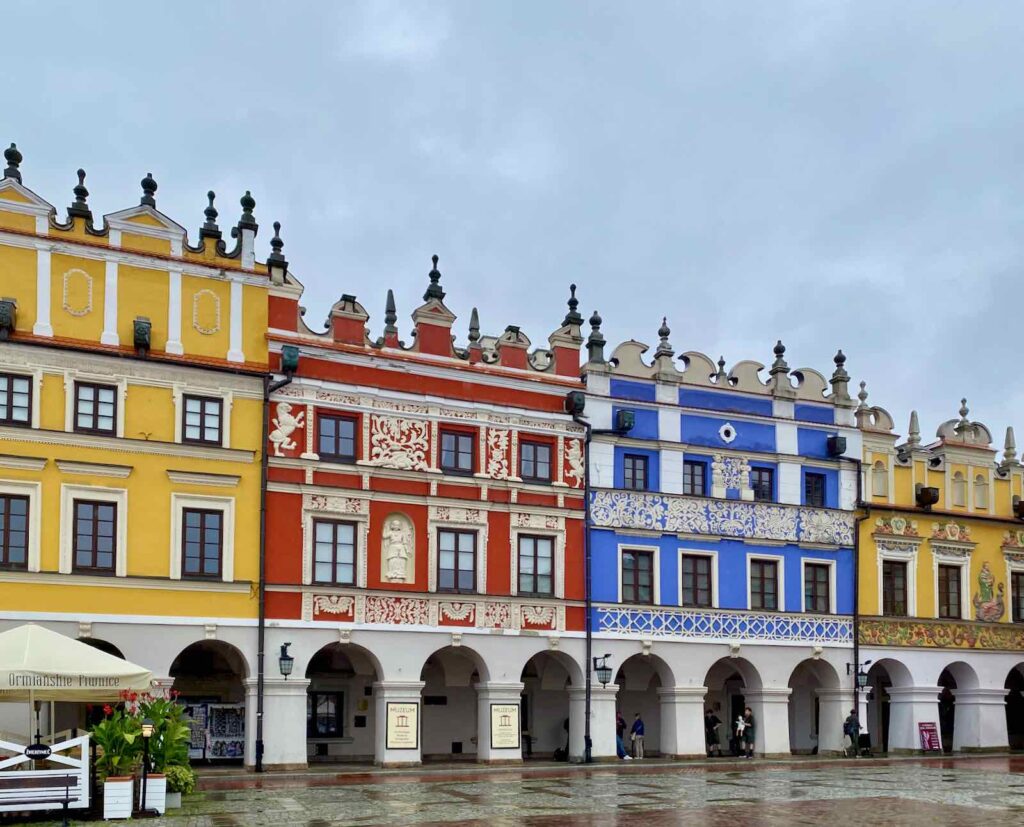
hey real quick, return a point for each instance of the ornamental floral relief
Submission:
(730, 472)
(731, 518)
(538, 615)
(77, 293)
(624, 509)
(402, 610)
(897, 525)
(825, 527)
(687, 516)
(497, 454)
(337, 505)
(399, 443)
(951, 530)
(333, 604)
(941, 634)
(457, 611)
(1013, 539)
(339, 398)
(496, 616)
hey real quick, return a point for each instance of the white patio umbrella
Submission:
(39, 665)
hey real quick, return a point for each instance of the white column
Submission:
(908, 707)
(833, 707)
(602, 722)
(980, 722)
(400, 692)
(109, 336)
(162, 686)
(235, 353)
(682, 721)
(771, 719)
(174, 345)
(42, 326)
(506, 696)
(284, 723)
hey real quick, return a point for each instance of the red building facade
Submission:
(424, 539)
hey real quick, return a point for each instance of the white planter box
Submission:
(173, 800)
(156, 794)
(117, 797)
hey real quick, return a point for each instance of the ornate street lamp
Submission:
(285, 662)
(147, 733)
(603, 670)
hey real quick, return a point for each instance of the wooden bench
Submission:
(39, 791)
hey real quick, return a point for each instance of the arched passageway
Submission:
(209, 676)
(883, 675)
(450, 708)
(547, 680)
(639, 678)
(1015, 707)
(340, 713)
(815, 708)
(729, 681)
(956, 678)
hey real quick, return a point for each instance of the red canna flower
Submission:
(108, 710)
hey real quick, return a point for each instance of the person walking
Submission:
(747, 736)
(620, 732)
(711, 724)
(636, 733)
(851, 734)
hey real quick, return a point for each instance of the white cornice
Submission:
(197, 478)
(22, 463)
(159, 583)
(94, 469)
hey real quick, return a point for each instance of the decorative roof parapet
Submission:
(14, 158)
(840, 381)
(512, 348)
(347, 321)
(565, 342)
(1009, 450)
(210, 228)
(963, 431)
(433, 320)
(595, 341)
(149, 188)
(80, 207)
(875, 419)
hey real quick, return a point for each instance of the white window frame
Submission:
(180, 502)
(804, 562)
(958, 482)
(781, 561)
(899, 555)
(227, 399)
(557, 560)
(362, 522)
(34, 492)
(35, 378)
(655, 566)
(693, 552)
(1013, 564)
(68, 495)
(72, 377)
(940, 557)
(480, 525)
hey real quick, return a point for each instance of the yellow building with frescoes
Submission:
(941, 584)
(132, 368)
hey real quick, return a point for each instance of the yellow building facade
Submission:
(941, 585)
(132, 369)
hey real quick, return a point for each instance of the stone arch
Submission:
(723, 667)
(814, 685)
(103, 646)
(884, 674)
(341, 715)
(450, 678)
(640, 679)
(218, 652)
(548, 678)
(729, 680)
(962, 674)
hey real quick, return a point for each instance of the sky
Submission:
(834, 174)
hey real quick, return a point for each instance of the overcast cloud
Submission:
(834, 174)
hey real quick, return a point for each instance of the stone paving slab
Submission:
(972, 791)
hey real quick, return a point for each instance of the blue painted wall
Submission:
(815, 413)
(750, 436)
(812, 442)
(638, 391)
(646, 426)
(722, 401)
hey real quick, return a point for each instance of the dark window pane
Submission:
(337, 438)
(635, 472)
(15, 399)
(814, 490)
(95, 408)
(456, 569)
(693, 479)
(762, 481)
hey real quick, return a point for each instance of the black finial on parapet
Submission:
(80, 208)
(595, 342)
(573, 317)
(276, 257)
(210, 228)
(434, 290)
(779, 365)
(14, 158)
(248, 220)
(474, 327)
(390, 314)
(664, 348)
(721, 377)
(148, 191)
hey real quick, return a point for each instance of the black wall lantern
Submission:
(289, 359)
(285, 662)
(862, 675)
(603, 670)
(624, 421)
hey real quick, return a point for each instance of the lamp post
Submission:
(147, 733)
(285, 662)
(860, 695)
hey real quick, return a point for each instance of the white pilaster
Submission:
(42, 326)
(174, 345)
(284, 722)
(790, 489)
(109, 335)
(235, 353)
(908, 707)
(404, 692)
(770, 708)
(980, 720)
(833, 707)
(602, 722)
(507, 695)
(682, 721)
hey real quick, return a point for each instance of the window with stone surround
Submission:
(13, 531)
(15, 399)
(764, 585)
(894, 588)
(949, 591)
(637, 576)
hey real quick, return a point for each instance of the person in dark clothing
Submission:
(747, 736)
(620, 732)
(637, 734)
(711, 724)
(851, 734)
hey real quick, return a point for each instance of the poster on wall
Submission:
(930, 741)
(505, 730)
(403, 725)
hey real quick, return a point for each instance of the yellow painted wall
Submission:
(254, 331)
(145, 243)
(142, 292)
(16, 221)
(52, 410)
(202, 313)
(18, 281)
(66, 325)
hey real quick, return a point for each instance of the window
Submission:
(334, 552)
(13, 532)
(816, 588)
(202, 542)
(764, 585)
(694, 475)
(15, 399)
(762, 480)
(337, 440)
(95, 408)
(879, 480)
(696, 580)
(894, 588)
(1017, 595)
(456, 562)
(535, 461)
(325, 714)
(536, 555)
(202, 420)
(637, 576)
(634, 472)
(814, 490)
(457, 452)
(959, 489)
(949, 591)
(94, 540)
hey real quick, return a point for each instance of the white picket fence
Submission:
(32, 789)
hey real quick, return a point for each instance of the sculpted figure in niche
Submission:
(397, 549)
(988, 601)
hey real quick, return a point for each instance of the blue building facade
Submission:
(721, 534)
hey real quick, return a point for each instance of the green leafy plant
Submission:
(168, 746)
(118, 738)
(180, 779)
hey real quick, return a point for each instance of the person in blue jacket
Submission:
(636, 734)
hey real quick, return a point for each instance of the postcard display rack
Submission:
(217, 731)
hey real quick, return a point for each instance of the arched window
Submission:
(879, 480)
(980, 491)
(959, 489)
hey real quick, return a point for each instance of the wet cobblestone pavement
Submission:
(969, 791)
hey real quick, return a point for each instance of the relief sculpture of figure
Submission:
(988, 602)
(397, 546)
(285, 424)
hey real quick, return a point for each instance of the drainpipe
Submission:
(261, 626)
(860, 518)
(588, 757)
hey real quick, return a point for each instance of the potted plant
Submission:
(181, 780)
(118, 741)
(167, 747)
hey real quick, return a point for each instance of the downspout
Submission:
(588, 757)
(261, 627)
